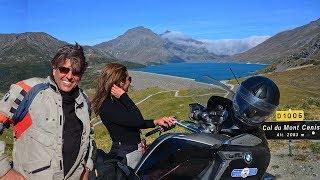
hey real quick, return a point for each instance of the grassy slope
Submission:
(300, 89)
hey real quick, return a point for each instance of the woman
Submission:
(119, 113)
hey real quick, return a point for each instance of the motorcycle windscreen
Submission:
(220, 93)
(218, 88)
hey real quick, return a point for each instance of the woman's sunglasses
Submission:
(129, 78)
(66, 70)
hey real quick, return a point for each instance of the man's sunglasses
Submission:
(66, 70)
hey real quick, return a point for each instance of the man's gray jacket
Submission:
(37, 150)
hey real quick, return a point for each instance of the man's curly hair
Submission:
(74, 53)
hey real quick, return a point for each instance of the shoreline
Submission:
(165, 75)
(143, 80)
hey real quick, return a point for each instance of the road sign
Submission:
(290, 115)
(292, 130)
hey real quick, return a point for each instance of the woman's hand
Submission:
(165, 121)
(116, 91)
(85, 174)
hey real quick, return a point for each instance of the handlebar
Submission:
(155, 130)
(179, 123)
(188, 127)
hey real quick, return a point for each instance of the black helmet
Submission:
(255, 100)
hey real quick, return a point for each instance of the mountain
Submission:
(289, 48)
(29, 54)
(36, 47)
(28, 47)
(137, 44)
(144, 46)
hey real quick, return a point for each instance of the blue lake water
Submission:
(219, 71)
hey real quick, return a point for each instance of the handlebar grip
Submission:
(157, 129)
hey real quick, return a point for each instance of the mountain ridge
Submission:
(290, 48)
(141, 44)
(28, 46)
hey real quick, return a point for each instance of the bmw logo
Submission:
(248, 158)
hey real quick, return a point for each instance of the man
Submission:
(53, 140)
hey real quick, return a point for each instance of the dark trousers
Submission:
(108, 167)
(121, 150)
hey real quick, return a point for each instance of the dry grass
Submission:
(297, 85)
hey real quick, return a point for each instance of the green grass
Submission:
(163, 105)
(102, 138)
(138, 95)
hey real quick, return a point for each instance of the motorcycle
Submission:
(216, 145)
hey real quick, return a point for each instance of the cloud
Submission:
(182, 39)
(233, 46)
(219, 47)
(175, 35)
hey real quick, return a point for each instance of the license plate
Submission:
(290, 115)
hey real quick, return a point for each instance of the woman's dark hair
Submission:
(74, 53)
(111, 74)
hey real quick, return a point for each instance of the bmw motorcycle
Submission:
(222, 140)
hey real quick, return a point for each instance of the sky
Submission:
(93, 22)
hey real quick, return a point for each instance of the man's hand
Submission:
(12, 174)
(116, 91)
